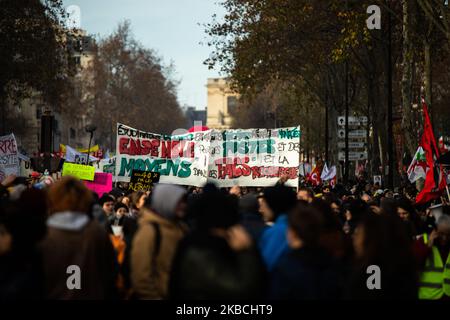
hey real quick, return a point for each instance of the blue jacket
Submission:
(273, 242)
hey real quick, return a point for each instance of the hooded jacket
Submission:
(150, 279)
(75, 240)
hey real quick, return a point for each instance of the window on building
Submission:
(73, 133)
(231, 104)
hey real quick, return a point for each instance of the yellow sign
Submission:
(62, 148)
(79, 171)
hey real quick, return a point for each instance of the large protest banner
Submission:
(250, 157)
(9, 160)
(254, 157)
(173, 157)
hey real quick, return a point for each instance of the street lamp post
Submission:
(90, 129)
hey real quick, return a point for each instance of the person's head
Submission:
(389, 194)
(366, 198)
(120, 209)
(23, 222)
(443, 230)
(330, 221)
(168, 201)
(305, 226)
(107, 204)
(280, 199)
(333, 201)
(326, 189)
(405, 209)
(215, 210)
(305, 194)
(69, 194)
(248, 203)
(354, 209)
(335, 208)
(137, 199)
(265, 210)
(382, 239)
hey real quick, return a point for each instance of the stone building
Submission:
(221, 103)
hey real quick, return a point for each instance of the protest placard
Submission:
(101, 184)
(143, 180)
(9, 161)
(78, 171)
(250, 157)
(75, 156)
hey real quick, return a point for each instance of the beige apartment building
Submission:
(221, 102)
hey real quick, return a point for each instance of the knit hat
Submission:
(165, 198)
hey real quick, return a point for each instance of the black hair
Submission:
(280, 199)
(25, 219)
(119, 205)
(306, 222)
(105, 198)
(215, 209)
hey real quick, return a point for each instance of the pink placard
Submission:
(102, 183)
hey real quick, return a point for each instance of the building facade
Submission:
(221, 103)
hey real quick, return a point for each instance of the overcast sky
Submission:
(168, 26)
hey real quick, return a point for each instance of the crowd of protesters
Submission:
(207, 243)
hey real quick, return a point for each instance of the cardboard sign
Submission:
(75, 156)
(102, 183)
(78, 171)
(9, 160)
(143, 180)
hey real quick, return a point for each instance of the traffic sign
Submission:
(353, 121)
(352, 133)
(352, 145)
(353, 156)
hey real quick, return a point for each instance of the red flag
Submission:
(434, 180)
(314, 177)
(333, 182)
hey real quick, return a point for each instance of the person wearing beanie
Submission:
(273, 243)
(156, 240)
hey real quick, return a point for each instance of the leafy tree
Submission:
(131, 85)
(32, 53)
